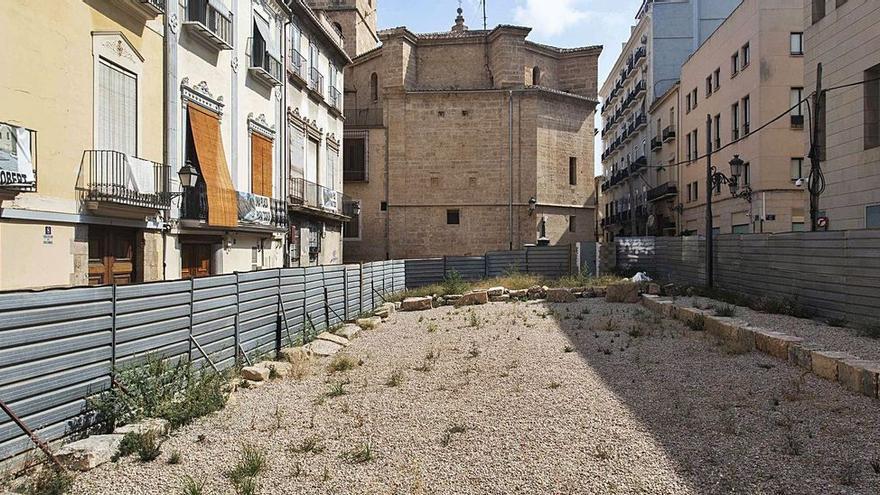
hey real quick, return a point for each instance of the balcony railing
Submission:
(656, 143)
(269, 213)
(334, 97)
(668, 134)
(112, 177)
(266, 68)
(364, 117)
(210, 24)
(316, 81)
(307, 194)
(296, 65)
(666, 190)
(637, 165)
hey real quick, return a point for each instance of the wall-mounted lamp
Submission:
(533, 204)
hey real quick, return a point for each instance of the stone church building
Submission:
(466, 141)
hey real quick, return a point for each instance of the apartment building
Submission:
(649, 66)
(664, 213)
(842, 35)
(467, 141)
(745, 75)
(82, 173)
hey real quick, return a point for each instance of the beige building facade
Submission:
(79, 114)
(463, 142)
(844, 37)
(743, 76)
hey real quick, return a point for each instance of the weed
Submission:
(793, 445)
(611, 326)
(849, 473)
(251, 463)
(337, 389)
(554, 385)
(697, 324)
(475, 350)
(725, 311)
(875, 465)
(396, 378)
(635, 331)
(568, 348)
(309, 445)
(273, 373)
(49, 482)
(174, 458)
(602, 453)
(146, 445)
(455, 429)
(473, 319)
(342, 362)
(432, 327)
(191, 486)
(360, 454)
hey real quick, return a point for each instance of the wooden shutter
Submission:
(222, 200)
(261, 165)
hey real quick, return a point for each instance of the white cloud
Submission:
(549, 17)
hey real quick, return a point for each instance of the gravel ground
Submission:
(527, 398)
(832, 338)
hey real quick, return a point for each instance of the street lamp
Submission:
(188, 175)
(736, 171)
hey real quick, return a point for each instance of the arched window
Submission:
(338, 28)
(536, 76)
(374, 87)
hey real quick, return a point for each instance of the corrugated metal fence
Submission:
(835, 273)
(58, 347)
(550, 261)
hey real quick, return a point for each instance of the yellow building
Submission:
(79, 110)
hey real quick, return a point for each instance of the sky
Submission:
(562, 23)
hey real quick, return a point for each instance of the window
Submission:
(687, 100)
(383, 206)
(572, 223)
(572, 171)
(708, 86)
(116, 122)
(295, 242)
(872, 107)
(261, 165)
(694, 97)
(747, 115)
(872, 217)
(536, 76)
(734, 64)
(797, 95)
(797, 43)
(690, 196)
(696, 153)
(354, 158)
(818, 10)
(696, 190)
(734, 121)
(352, 228)
(453, 217)
(688, 147)
(746, 55)
(747, 174)
(374, 87)
(717, 131)
(740, 229)
(716, 79)
(314, 240)
(797, 168)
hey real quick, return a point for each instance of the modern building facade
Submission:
(649, 66)
(468, 141)
(82, 172)
(745, 75)
(843, 37)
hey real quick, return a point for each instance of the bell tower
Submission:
(355, 20)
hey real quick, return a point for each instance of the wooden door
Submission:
(195, 260)
(111, 255)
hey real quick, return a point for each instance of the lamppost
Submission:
(714, 179)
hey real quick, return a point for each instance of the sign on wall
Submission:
(254, 209)
(16, 156)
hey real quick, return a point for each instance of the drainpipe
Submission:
(282, 144)
(510, 164)
(169, 62)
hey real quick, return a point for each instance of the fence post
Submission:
(326, 310)
(278, 312)
(113, 335)
(192, 291)
(486, 265)
(527, 260)
(361, 281)
(237, 317)
(345, 292)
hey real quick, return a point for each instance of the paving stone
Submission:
(336, 339)
(89, 453)
(322, 348)
(560, 296)
(537, 292)
(417, 304)
(654, 289)
(382, 313)
(255, 373)
(349, 331)
(156, 426)
(390, 306)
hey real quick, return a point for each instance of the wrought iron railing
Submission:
(335, 98)
(158, 5)
(194, 206)
(216, 23)
(668, 134)
(315, 196)
(316, 81)
(109, 176)
(265, 61)
(296, 64)
(662, 191)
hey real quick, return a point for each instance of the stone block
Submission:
(801, 355)
(774, 343)
(157, 426)
(473, 298)
(496, 291)
(294, 355)
(349, 331)
(255, 373)
(322, 348)
(825, 363)
(417, 304)
(654, 289)
(859, 375)
(382, 313)
(336, 339)
(519, 294)
(391, 307)
(600, 291)
(369, 323)
(624, 292)
(281, 369)
(560, 296)
(89, 453)
(536, 292)
(499, 299)
(723, 327)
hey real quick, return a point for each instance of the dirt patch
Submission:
(530, 398)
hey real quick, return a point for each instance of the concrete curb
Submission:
(857, 375)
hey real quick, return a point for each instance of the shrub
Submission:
(697, 324)
(337, 389)
(396, 378)
(145, 445)
(158, 389)
(192, 486)
(360, 454)
(454, 284)
(49, 482)
(513, 280)
(251, 463)
(174, 458)
(308, 445)
(726, 310)
(342, 362)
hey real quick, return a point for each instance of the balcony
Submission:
(334, 97)
(605, 186)
(639, 88)
(640, 121)
(668, 134)
(149, 9)
(265, 68)
(311, 198)
(254, 211)
(113, 178)
(663, 191)
(364, 117)
(209, 24)
(797, 121)
(316, 83)
(656, 144)
(296, 67)
(640, 55)
(639, 164)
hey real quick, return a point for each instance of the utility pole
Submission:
(709, 226)
(818, 123)
(485, 19)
